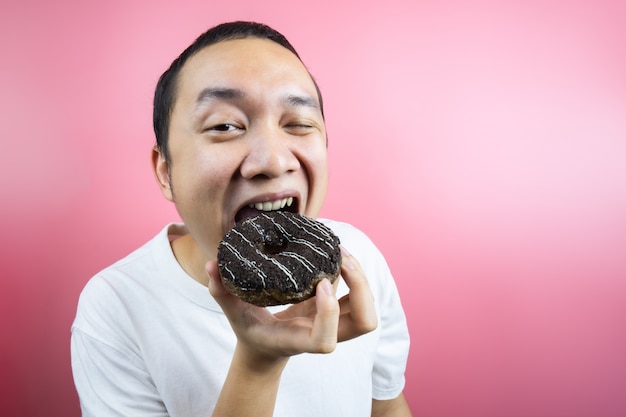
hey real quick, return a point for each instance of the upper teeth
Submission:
(273, 205)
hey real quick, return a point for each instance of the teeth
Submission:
(273, 205)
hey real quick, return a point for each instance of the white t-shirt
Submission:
(149, 340)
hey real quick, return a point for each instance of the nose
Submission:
(269, 155)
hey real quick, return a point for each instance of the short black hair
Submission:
(165, 93)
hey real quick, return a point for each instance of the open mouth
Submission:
(252, 210)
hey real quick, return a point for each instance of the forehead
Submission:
(252, 65)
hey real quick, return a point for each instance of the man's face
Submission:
(246, 131)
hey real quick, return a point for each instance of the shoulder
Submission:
(359, 244)
(158, 246)
(352, 238)
(122, 286)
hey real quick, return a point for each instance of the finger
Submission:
(344, 304)
(316, 335)
(326, 321)
(304, 308)
(240, 314)
(216, 288)
(358, 312)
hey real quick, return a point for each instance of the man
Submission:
(240, 128)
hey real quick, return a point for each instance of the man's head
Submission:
(165, 93)
(244, 132)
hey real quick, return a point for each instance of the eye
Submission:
(223, 131)
(300, 127)
(225, 127)
(220, 132)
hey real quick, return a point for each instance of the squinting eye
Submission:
(299, 127)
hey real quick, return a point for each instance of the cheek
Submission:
(319, 165)
(199, 198)
(195, 183)
(203, 170)
(316, 167)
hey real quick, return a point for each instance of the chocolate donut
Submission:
(277, 258)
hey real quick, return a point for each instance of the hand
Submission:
(314, 326)
(357, 311)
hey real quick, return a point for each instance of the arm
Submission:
(266, 341)
(251, 385)
(397, 407)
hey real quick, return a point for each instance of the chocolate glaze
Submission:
(278, 258)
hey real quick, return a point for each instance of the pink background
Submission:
(482, 146)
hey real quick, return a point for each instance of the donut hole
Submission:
(273, 242)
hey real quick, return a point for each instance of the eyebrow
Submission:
(210, 94)
(218, 93)
(303, 100)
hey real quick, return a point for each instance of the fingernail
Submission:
(346, 258)
(327, 287)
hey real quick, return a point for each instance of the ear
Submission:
(161, 170)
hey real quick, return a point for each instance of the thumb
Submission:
(216, 288)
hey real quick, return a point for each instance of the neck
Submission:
(191, 258)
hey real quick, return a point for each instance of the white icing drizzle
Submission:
(246, 261)
(293, 239)
(280, 266)
(258, 228)
(304, 261)
(304, 224)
